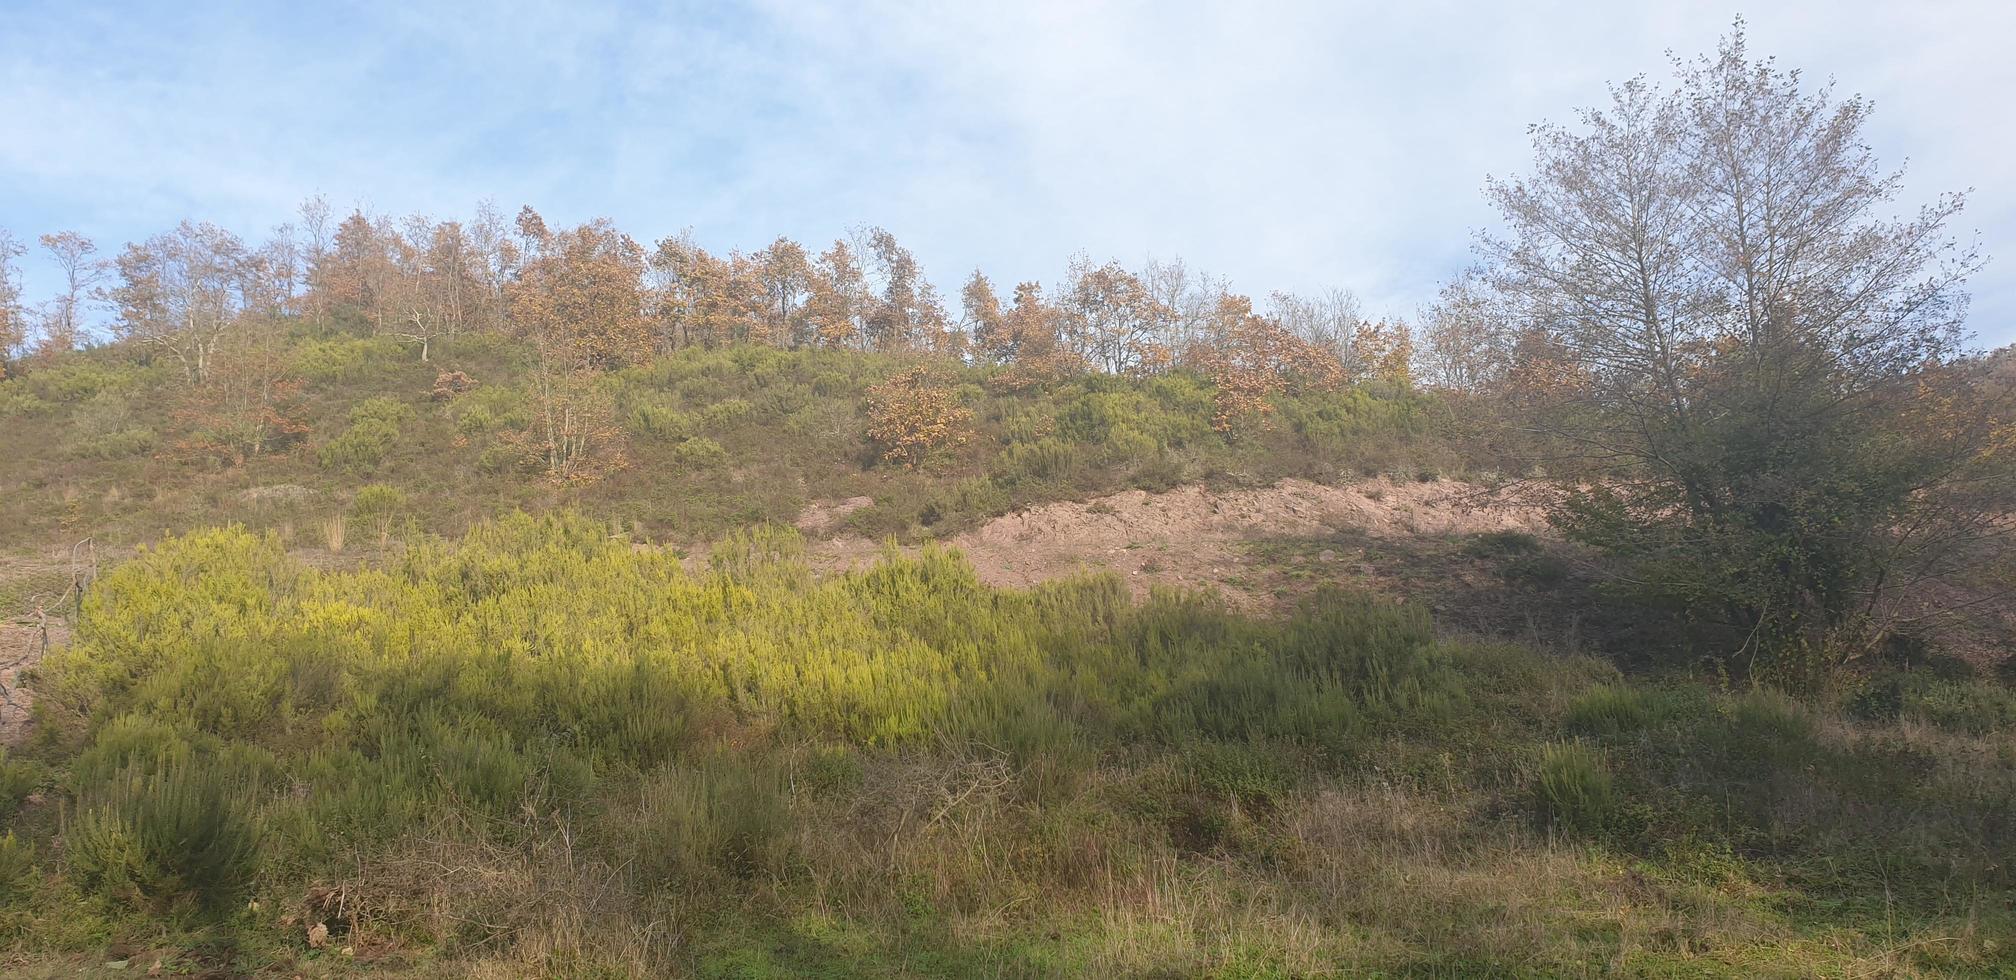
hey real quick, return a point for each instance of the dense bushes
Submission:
(373, 432)
(587, 730)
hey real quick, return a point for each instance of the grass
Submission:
(539, 750)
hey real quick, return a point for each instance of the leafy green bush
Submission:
(1977, 709)
(18, 778)
(374, 431)
(1502, 543)
(133, 441)
(602, 725)
(491, 408)
(176, 835)
(1573, 791)
(720, 818)
(377, 501)
(70, 380)
(661, 421)
(17, 870)
(699, 453)
(1047, 459)
(1608, 711)
(347, 358)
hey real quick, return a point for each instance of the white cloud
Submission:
(1286, 145)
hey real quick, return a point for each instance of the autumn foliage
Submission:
(912, 414)
(1252, 358)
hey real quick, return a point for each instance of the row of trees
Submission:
(421, 280)
(590, 298)
(58, 323)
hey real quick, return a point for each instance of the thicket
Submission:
(545, 747)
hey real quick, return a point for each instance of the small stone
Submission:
(1326, 555)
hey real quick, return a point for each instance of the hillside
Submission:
(554, 744)
(100, 447)
(503, 598)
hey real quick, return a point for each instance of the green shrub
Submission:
(1245, 773)
(1876, 699)
(18, 873)
(1540, 570)
(1573, 791)
(721, 818)
(1962, 706)
(490, 409)
(374, 431)
(972, 498)
(134, 441)
(661, 421)
(1046, 460)
(699, 453)
(381, 409)
(183, 834)
(347, 358)
(1129, 445)
(18, 778)
(724, 413)
(75, 379)
(1768, 716)
(377, 501)
(1607, 712)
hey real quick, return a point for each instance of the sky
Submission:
(1295, 146)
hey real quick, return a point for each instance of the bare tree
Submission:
(1465, 343)
(75, 257)
(13, 319)
(1747, 331)
(182, 291)
(1328, 321)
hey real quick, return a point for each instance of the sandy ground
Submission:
(1193, 536)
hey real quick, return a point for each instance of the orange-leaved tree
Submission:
(914, 413)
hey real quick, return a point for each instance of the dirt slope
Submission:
(1194, 536)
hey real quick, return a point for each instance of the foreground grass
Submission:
(541, 750)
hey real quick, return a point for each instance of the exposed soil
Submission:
(1196, 537)
(22, 643)
(824, 515)
(35, 591)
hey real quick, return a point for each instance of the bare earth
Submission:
(21, 647)
(1196, 537)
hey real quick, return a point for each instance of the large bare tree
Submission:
(76, 259)
(181, 292)
(1749, 325)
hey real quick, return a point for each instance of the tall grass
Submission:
(540, 750)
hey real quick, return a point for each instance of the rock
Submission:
(1326, 555)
